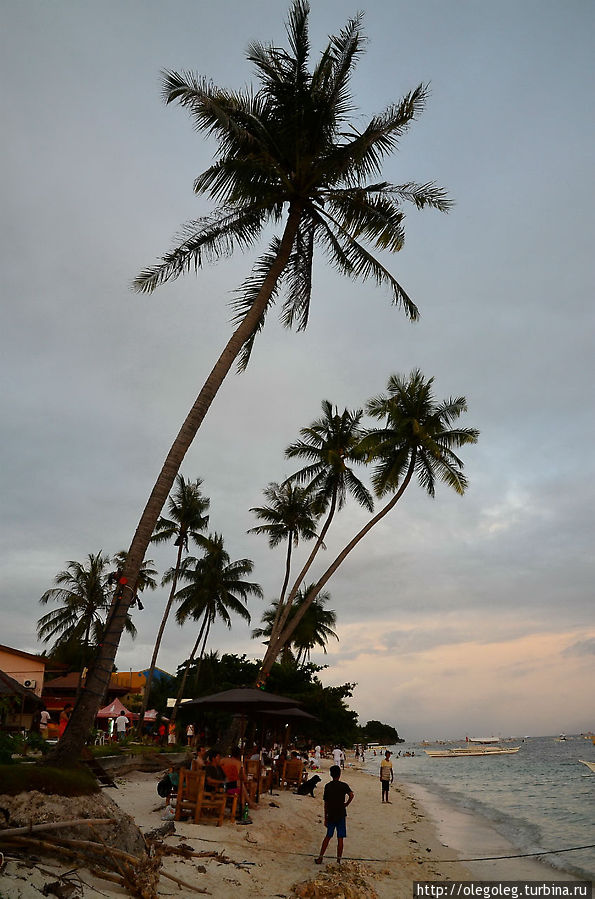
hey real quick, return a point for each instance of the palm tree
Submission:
(83, 589)
(147, 576)
(316, 626)
(289, 155)
(216, 589)
(331, 446)
(313, 630)
(187, 507)
(417, 439)
(289, 516)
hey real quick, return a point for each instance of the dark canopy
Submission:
(242, 699)
(288, 714)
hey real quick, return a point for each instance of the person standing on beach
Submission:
(335, 812)
(386, 775)
(121, 726)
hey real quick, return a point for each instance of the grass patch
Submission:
(18, 778)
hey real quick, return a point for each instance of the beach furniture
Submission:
(188, 792)
(253, 768)
(213, 800)
(293, 773)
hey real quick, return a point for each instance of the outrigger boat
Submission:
(464, 751)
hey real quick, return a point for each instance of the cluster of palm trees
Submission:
(214, 587)
(292, 155)
(417, 437)
(84, 590)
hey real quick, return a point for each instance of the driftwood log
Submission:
(139, 875)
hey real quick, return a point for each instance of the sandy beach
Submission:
(388, 847)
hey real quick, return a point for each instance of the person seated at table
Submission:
(199, 758)
(214, 774)
(236, 777)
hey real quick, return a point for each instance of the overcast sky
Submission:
(457, 615)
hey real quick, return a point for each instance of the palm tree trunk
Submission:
(82, 719)
(141, 717)
(286, 635)
(283, 614)
(174, 713)
(274, 628)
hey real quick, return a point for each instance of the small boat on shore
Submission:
(464, 751)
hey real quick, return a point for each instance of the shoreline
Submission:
(472, 836)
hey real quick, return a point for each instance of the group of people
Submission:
(227, 773)
(224, 773)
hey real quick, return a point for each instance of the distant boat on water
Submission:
(464, 751)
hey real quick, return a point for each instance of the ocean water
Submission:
(538, 799)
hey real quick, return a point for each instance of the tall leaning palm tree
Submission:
(215, 589)
(290, 156)
(187, 518)
(289, 516)
(418, 439)
(331, 447)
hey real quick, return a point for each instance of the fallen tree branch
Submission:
(182, 883)
(53, 825)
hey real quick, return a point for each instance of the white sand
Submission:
(388, 846)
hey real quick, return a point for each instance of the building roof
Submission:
(25, 655)
(69, 683)
(11, 687)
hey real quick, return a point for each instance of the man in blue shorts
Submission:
(335, 812)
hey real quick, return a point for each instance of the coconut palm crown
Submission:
(292, 145)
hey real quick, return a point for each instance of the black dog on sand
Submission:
(307, 789)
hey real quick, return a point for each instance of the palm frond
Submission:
(248, 293)
(204, 240)
(364, 265)
(298, 279)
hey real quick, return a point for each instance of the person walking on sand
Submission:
(335, 812)
(386, 775)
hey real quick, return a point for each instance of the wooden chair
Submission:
(253, 768)
(211, 800)
(189, 788)
(266, 781)
(293, 774)
(278, 773)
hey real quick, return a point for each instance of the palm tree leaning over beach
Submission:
(330, 445)
(187, 518)
(289, 516)
(290, 155)
(417, 439)
(215, 589)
